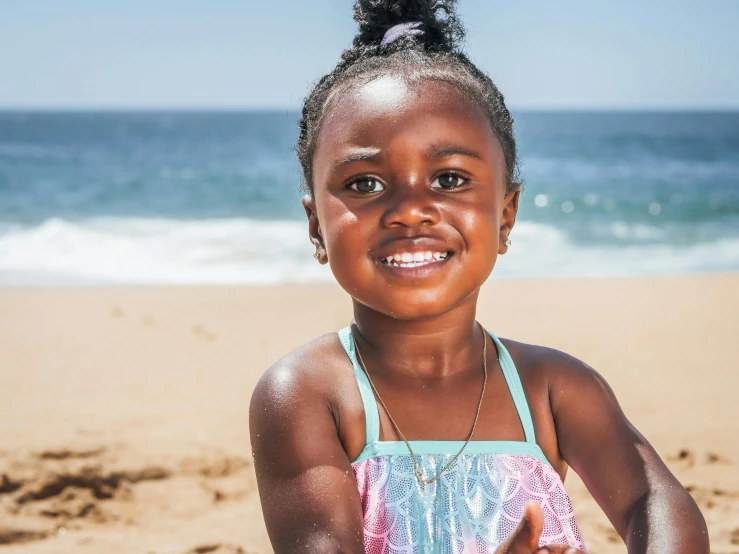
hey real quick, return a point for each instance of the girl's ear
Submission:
(314, 229)
(510, 209)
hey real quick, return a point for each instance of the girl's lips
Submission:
(415, 269)
(413, 259)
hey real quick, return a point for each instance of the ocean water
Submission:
(213, 198)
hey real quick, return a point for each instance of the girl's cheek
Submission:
(346, 252)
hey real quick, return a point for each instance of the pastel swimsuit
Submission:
(475, 504)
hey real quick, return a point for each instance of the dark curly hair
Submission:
(435, 55)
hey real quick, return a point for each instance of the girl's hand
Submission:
(525, 539)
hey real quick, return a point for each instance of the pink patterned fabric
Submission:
(471, 509)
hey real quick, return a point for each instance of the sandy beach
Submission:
(124, 423)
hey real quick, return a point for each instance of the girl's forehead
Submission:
(379, 94)
(388, 110)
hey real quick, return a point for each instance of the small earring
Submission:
(317, 255)
(507, 242)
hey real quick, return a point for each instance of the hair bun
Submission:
(442, 31)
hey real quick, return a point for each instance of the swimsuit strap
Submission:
(516, 389)
(371, 411)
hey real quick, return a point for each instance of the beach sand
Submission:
(125, 428)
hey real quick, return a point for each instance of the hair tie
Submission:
(396, 31)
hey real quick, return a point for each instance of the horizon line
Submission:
(244, 109)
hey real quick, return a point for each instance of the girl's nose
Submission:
(409, 206)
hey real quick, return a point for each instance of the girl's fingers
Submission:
(558, 549)
(525, 538)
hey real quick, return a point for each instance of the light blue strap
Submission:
(371, 413)
(514, 385)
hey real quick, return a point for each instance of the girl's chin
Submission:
(412, 306)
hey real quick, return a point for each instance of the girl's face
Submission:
(409, 196)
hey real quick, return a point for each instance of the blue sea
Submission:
(213, 198)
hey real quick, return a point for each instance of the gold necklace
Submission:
(419, 476)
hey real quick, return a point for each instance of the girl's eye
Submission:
(449, 181)
(367, 184)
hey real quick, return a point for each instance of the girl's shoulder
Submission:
(561, 372)
(535, 361)
(313, 379)
(311, 369)
(554, 383)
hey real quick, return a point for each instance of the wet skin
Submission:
(400, 170)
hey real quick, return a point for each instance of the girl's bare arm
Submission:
(306, 485)
(644, 501)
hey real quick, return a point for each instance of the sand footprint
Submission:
(715, 458)
(14, 535)
(202, 333)
(217, 548)
(7, 485)
(712, 498)
(65, 454)
(685, 456)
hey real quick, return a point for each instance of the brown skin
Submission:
(419, 340)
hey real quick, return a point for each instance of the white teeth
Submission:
(415, 259)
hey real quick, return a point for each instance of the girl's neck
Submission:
(428, 349)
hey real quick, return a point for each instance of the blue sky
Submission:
(265, 54)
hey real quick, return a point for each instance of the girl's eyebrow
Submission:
(358, 155)
(436, 151)
(443, 150)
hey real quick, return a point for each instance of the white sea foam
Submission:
(132, 251)
(159, 251)
(544, 251)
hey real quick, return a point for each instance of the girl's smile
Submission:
(410, 199)
(413, 258)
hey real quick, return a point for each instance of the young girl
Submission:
(414, 429)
